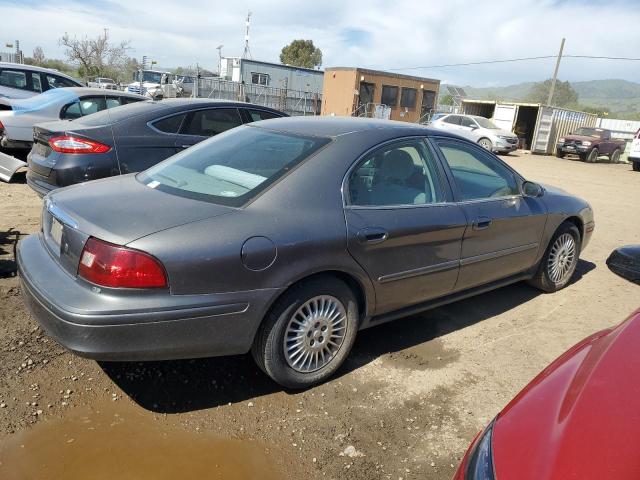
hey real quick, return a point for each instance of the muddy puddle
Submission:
(124, 444)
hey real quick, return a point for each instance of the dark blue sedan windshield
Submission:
(232, 167)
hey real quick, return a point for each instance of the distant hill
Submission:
(619, 96)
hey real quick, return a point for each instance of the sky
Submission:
(382, 34)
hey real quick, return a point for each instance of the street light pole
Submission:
(555, 74)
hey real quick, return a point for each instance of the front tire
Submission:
(308, 333)
(636, 166)
(486, 144)
(560, 260)
(559, 154)
(593, 155)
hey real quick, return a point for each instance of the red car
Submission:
(579, 418)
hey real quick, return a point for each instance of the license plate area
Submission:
(41, 149)
(55, 232)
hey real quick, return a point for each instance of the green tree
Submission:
(446, 100)
(301, 53)
(97, 56)
(564, 94)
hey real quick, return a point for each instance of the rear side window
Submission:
(231, 168)
(84, 106)
(170, 124)
(113, 102)
(207, 123)
(14, 79)
(55, 81)
(257, 115)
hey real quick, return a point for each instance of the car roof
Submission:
(329, 126)
(99, 91)
(35, 68)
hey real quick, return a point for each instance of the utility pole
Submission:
(247, 52)
(555, 74)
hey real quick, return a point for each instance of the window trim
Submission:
(441, 173)
(519, 179)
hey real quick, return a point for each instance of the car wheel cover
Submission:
(562, 258)
(616, 156)
(485, 143)
(593, 156)
(315, 333)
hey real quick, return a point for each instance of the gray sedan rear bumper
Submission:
(95, 327)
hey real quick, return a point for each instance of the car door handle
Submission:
(372, 235)
(481, 223)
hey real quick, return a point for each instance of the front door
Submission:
(504, 228)
(401, 229)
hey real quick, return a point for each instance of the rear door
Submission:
(401, 228)
(202, 124)
(144, 144)
(504, 228)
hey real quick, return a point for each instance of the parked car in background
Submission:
(16, 123)
(480, 130)
(579, 417)
(130, 139)
(24, 81)
(287, 236)
(103, 82)
(634, 153)
(589, 143)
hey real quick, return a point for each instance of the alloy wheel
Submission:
(315, 333)
(485, 143)
(562, 258)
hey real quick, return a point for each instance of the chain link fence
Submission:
(292, 102)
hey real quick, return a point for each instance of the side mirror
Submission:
(474, 127)
(625, 262)
(532, 189)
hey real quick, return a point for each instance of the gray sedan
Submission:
(287, 236)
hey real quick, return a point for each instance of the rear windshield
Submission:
(114, 115)
(232, 167)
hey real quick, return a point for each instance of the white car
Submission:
(103, 82)
(480, 130)
(634, 153)
(24, 81)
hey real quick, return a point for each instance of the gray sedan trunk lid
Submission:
(117, 210)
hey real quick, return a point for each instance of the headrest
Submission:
(397, 165)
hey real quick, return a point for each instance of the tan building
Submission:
(371, 93)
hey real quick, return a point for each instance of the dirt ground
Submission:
(411, 396)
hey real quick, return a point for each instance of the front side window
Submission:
(477, 174)
(467, 122)
(113, 102)
(408, 97)
(14, 79)
(402, 173)
(232, 168)
(452, 119)
(389, 95)
(207, 123)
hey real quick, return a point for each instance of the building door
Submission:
(365, 99)
(428, 103)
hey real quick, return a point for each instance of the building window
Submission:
(389, 95)
(260, 78)
(408, 97)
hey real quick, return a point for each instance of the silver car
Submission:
(24, 81)
(480, 130)
(20, 116)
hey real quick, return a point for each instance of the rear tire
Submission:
(615, 156)
(560, 260)
(308, 333)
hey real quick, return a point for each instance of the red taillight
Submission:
(115, 266)
(70, 144)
